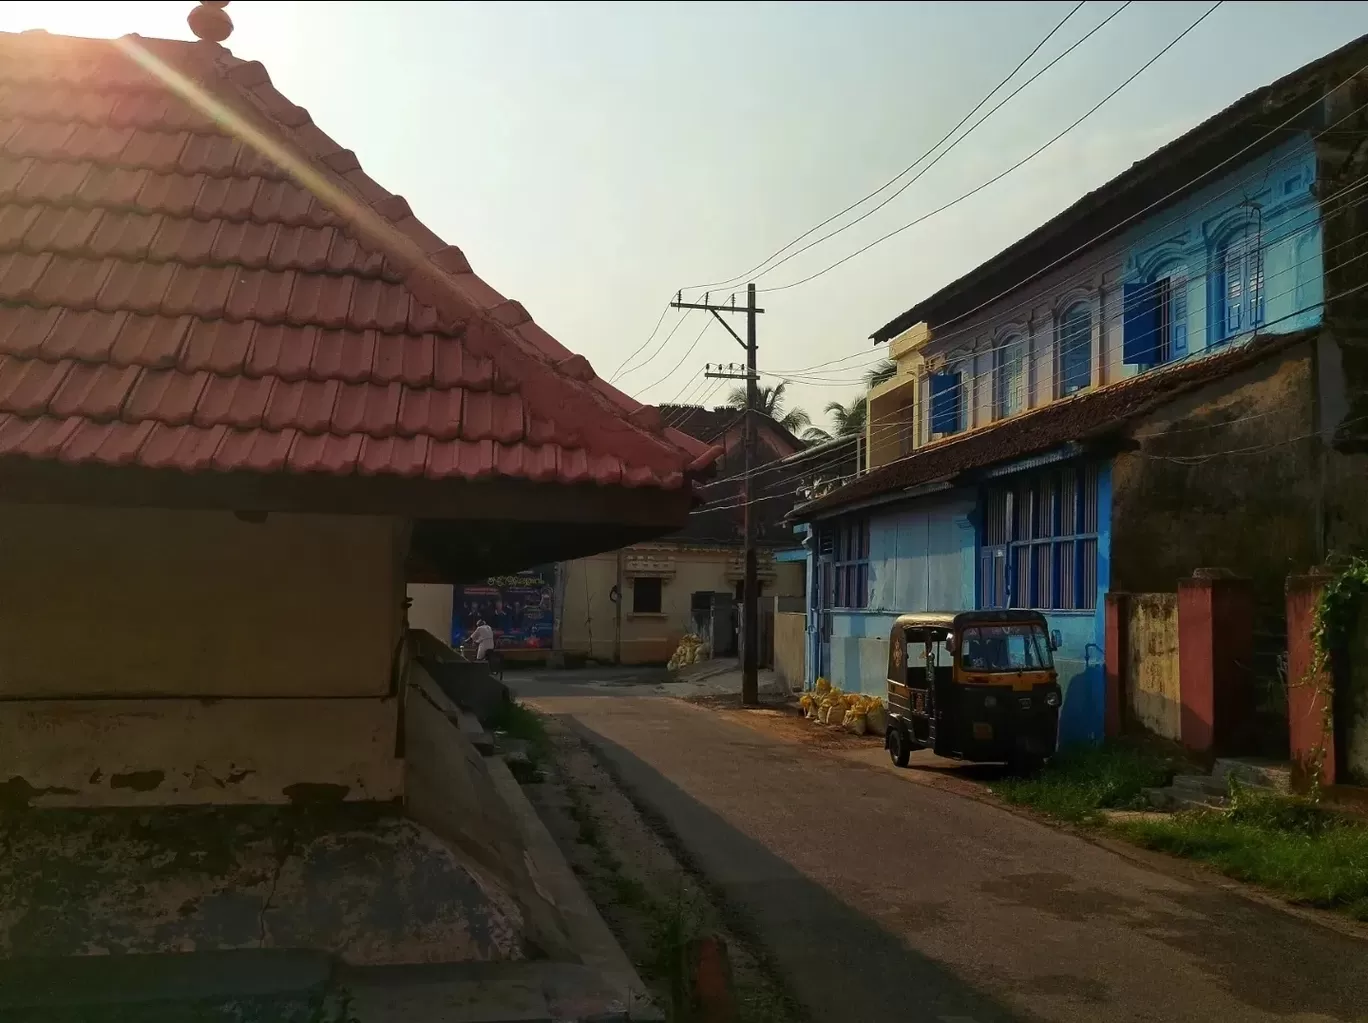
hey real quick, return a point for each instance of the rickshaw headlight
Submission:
(1052, 699)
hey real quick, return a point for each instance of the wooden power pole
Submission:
(750, 587)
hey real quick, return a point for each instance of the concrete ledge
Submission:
(264, 984)
(484, 993)
(556, 882)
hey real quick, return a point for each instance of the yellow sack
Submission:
(854, 723)
(876, 719)
(823, 687)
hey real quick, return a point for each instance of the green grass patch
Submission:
(1080, 782)
(518, 721)
(1307, 854)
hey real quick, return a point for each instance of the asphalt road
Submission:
(882, 898)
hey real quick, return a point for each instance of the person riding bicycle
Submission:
(483, 638)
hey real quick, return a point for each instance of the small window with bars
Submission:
(850, 568)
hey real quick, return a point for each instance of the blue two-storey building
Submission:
(1089, 410)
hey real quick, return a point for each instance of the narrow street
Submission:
(882, 898)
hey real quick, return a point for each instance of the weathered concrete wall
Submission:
(149, 602)
(587, 617)
(1223, 477)
(431, 607)
(448, 789)
(1154, 695)
(357, 879)
(790, 647)
(155, 752)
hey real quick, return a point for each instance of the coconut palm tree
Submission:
(771, 403)
(879, 372)
(849, 419)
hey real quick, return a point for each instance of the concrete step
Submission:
(1172, 798)
(1252, 773)
(520, 992)
(1202, 785)
(1181, 802)
(1159, 798)
(279, 986)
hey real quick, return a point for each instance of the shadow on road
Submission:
(838, 962)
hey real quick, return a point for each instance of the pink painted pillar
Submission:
(1310, 728)
(1215, 650)
(1116, 637)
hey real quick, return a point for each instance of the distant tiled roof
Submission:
(193, 276)
(710, 424)
(1082, 417)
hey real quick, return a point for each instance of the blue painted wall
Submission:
(921, 558)
(1272, 195)
(1082, 639)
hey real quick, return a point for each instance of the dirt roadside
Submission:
(652, 900)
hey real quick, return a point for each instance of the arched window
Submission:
(1170, 293)
(1156, 318)
(1074, 342)
(1009, 377)
(1241, 283)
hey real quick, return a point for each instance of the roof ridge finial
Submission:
(210, 22)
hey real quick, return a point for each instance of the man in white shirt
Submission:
(483, 638)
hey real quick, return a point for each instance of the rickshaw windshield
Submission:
(1014, 646)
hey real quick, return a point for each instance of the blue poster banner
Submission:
(520, 608)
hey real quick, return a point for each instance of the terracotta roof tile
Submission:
(123, 235)
(303, 404)
(165, 395)
(218, 346)
(171, 297)
(240, 401)
(24, 329)
(27, 385)
(92, 391)
(344, 355)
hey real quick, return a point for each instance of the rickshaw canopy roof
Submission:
(954, 620)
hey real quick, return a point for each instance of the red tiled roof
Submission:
(216, 284)
(1082, 417)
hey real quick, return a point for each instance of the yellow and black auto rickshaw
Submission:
(973, 685)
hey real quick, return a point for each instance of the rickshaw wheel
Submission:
(899, 749)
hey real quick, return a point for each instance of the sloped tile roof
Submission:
(1080, 418)
(193, 276)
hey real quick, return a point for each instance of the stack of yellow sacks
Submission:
(691, 650)
(856, 713)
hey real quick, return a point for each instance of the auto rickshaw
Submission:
(973, 685)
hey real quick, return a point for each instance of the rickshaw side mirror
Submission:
(1054, 639)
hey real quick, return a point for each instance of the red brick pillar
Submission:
(1116, 637)
(1215, 651)
(1311, 734)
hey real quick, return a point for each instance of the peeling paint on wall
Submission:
(159, 752)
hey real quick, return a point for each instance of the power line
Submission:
(1087, 269)
(1191, 357)
(993, 180)
(906, 170)
(654, 330)
(689, 351)
(948, 149)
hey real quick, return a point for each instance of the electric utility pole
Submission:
(750, 588)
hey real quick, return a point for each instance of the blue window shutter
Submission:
(1140, 336)
(945, 402)
(1178, 312)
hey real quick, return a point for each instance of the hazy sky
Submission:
(590, 159)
